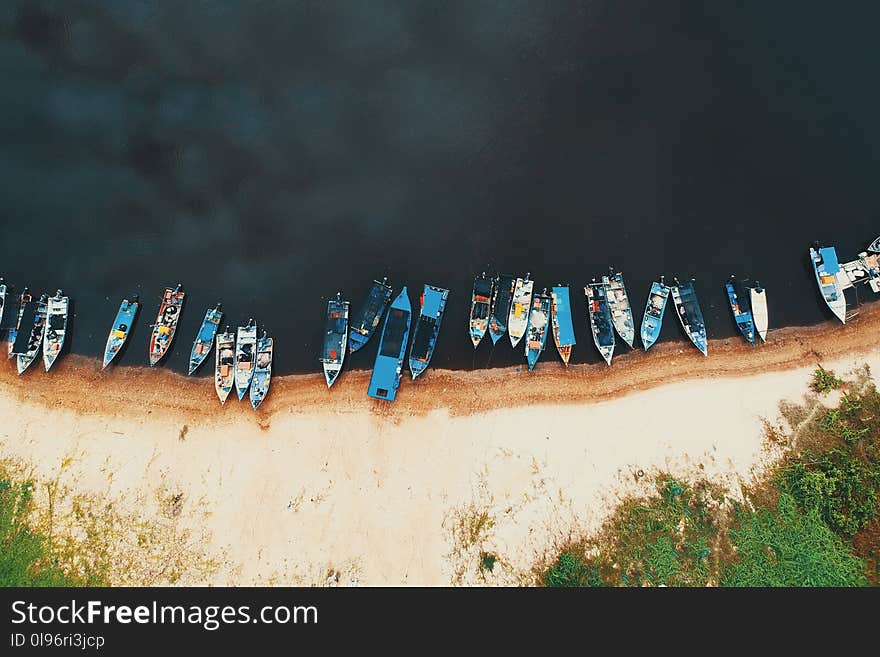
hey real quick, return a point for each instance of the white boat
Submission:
(224, 369)
(758, 298)
(262, 371)
(518, 320)
(827, 270)
(56, 328)
(621, 311)
(335, 338)
(245, 346)
(2, 299)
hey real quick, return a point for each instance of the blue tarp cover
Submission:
(829, 259)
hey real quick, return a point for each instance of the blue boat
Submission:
(121, 329)
(654, 309)
(563, 328)
(433, 303)
(601, 324)
(392, 347)
(364, 323)
(501, 298)
(689, 313)
(741, 307)
(538, 323)
(205, 338)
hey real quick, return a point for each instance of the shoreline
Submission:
(411, 493)
(461, 392)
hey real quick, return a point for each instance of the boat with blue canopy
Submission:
(561, 321)
(388, 367)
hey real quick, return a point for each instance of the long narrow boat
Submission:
(621, 311)
(56, 328)
(518, 320)
(561, 321)
(166, 323)
(741, 307)
(654, 309)
(684, 295)
(204, 341)
(25, 300)
(758, 300)
(500, 312)
(365, 321)
(34, 336)
(388, 367)
(481, 300)
(600, 319)
(245, 346)
(427, 329)
(2, 299)
(827, 268)
(335, 338)
(539, 323)
(224, 364)
(262, 371)
(121, 329)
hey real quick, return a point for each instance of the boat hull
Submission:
(245, 347)
(427, 328)
(690, 315)
(125, 317)
(758, 299)
(652, 321)
(561, 322)
(166, 324)
(335, 339)
(56, 329)
(826, 269)
(621, 310)
(388, 367)
(224, 365)
(500, 312)
(600, 319)
(481, 305)
(539, 325)
(520, 306)
(204, 341)
(741, 307)
(262, 371)
(365, 322)
(34, 339)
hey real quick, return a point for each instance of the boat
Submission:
(27, 353)
(827, 268)
(427, 329)
(561, 322)
(244, 357)
(2, 299)
(366, 320)
(166, 323)
(388, 367)
(758, 301)
(741, 306)
(335, 338)
(539, 321)
(262, 370)
(875, 246)
(518, 319)
(684, 295)
(481, 300)
(600, 319)
(205, 337)
(121, 329)
(500, 312)
(224, 364)
(654, 309)
(56, 327)
(621, 311)
(24, 301)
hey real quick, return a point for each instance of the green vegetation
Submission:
(26, 557)
(824, 381)
(814, 520)
(487, 562)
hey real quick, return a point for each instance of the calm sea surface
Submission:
(269, 154)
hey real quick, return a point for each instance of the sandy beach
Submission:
(332, 486)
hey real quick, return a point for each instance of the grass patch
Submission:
(824, 381)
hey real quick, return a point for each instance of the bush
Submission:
(790, 547)
(572, 571)
(824, 381)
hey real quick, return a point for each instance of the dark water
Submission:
(269, 154)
